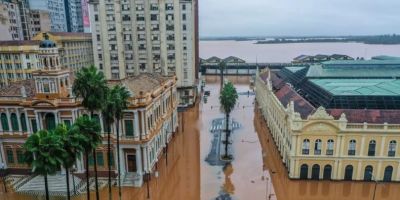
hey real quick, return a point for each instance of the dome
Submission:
(46, 43)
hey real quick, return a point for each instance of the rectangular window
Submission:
(34, 126)
(183, 17)
(91, 160)
(100, 159)
(67, 123)
(20, 157)
(112, 159)
(10, 156)
(129, 127)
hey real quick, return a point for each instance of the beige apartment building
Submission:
(345, 128)
(146, 36)
(19, 58)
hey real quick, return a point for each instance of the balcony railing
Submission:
(352, 152)
(317, 152)
(391, 153)
(306, 151)
(329, 152)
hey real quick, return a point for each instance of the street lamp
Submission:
(376, 184)
(73, 170)
(3, 175)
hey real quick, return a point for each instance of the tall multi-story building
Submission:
(146, 36)
(46, 100)
(336, 120)
(73, 11)
(10, 11)
(56, 9)
(19, 58)
(39, 22)
(4, 23)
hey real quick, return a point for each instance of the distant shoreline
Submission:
(382, 39)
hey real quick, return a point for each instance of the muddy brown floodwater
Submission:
(256, 172)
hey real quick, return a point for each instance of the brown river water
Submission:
(251, 52)
(256, 172)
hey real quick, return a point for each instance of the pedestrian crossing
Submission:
(220, 126)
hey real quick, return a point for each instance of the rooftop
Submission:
(362, 87)
(19, 42)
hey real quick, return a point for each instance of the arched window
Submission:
(304, 171)
(317, 147)
(306, 146)
(352, 148)
(348, 174)
(368, 173)
(315, 172)
(329, 149)
(392, 148)
(23, 122)
(14, 122)
(327, 172)
(4, 122)
(387, 177)
(371, 148)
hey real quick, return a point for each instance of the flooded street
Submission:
(256, 172)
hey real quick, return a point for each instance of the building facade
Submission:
(330, 143)
(46, 100)
(136, 36)
(73, 11)
(39, 22)
(76, 49)
(56, 9)
(11, 12)
(19, 58)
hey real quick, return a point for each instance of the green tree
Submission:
(228, 98)
(73, 142)
(121, 103)
(42, 153)
(91, 86)
(90, 128)
(108, 112)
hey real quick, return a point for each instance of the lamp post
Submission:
(73, 170)
(2, 174)
(376, 184)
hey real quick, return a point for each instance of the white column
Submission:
(145, 158)
(136, 127)
(121, 161)
(362, 146)
(2, 155)
(18, 120)
(8, 120)
(143, 133)
(38, 120)
(382, 146)
(101, 123)
(139, 161)
(27, 122)
(56, 117)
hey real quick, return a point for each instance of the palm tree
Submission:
(91, 86)
(90, 128)
(121, 104)
(228, 99)
(42, 152)
(222, 66)
(108, 112)
(73, 142)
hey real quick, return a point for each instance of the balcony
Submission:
(317, 152)
(305, 151)
(391, 153)
(329, 152)
(351, 152)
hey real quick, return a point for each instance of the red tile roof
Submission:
(286, 94)
(373, 116)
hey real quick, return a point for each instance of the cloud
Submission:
(298, 17)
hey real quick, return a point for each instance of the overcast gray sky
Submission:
(298, 17)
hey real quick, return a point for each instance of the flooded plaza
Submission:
(256, 171)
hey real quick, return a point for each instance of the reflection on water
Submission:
(256, 173)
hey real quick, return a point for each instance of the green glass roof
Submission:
(294, 69)
(364, 87)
